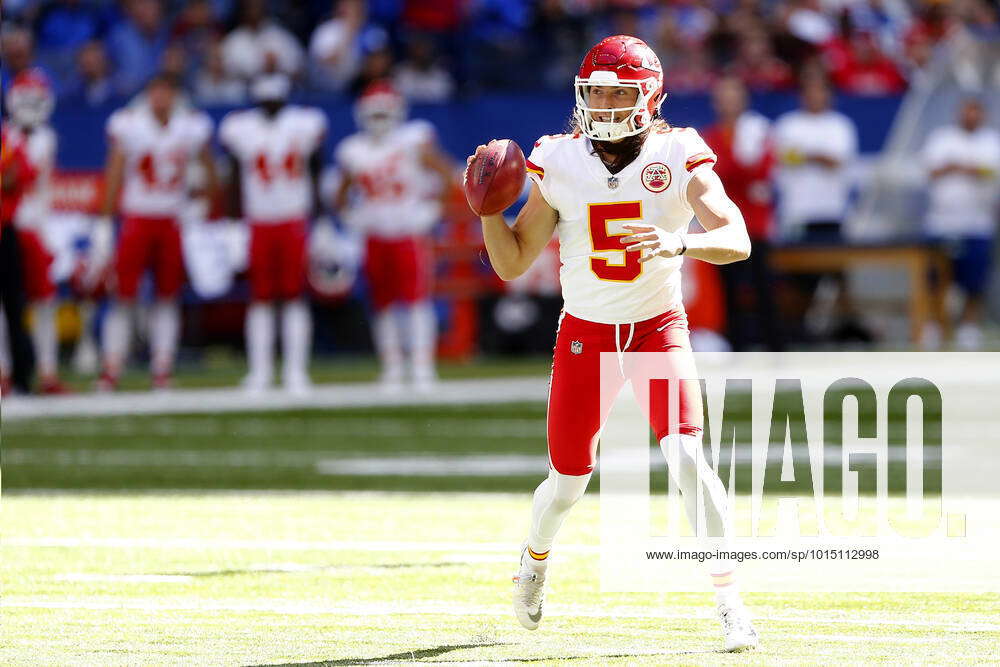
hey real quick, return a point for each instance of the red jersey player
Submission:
(621, 190)
(391, 173)
(16, 177)
(275, 152)
(30, 101)
(152, 142)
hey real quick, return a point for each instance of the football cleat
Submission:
(737, 631)
(529, 595)
(106, 383)
(162, 381)
(51, 386)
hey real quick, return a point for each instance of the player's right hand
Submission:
(475, 155)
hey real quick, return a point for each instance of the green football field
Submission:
(361, 536)
(343, 578)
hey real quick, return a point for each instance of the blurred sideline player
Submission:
(388, 192)
(16, 176)
(621, 190)
(30, 102)
(152, 143)
(275, 155)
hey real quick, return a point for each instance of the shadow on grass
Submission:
(277, 569)
(441, 650)
(404, 655)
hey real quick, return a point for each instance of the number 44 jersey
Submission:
(273, 154)
(601, 282)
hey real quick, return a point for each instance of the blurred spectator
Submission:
(963, 165)
(196, 29)
(18, 50)
(420, 78)
(757, 65)
(806, 20)
(136, 45)
(61, 28)
(258, 45)
(741, 140)
(690, 71)
(377, 66)
(338, 45)
(435, 16)
(859, 68)
(816, 147)
(213, 85)
(555, 38)
(92, 82)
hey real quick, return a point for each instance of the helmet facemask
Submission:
(29, 106)
(622, 122)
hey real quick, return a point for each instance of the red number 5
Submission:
(599, 216)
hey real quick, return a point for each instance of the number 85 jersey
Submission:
(601, 282)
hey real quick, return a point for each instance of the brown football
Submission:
(495, 179)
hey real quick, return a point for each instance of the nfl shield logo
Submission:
(576, 347)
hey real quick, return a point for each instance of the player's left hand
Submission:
(659, 242)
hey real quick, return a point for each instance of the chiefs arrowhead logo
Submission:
(656, 177)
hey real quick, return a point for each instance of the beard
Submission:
(617, 155)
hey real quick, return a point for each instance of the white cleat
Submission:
(255, 384)
(297, 384)
(529, 595)
(737, 630)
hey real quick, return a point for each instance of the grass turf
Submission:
(362, 578)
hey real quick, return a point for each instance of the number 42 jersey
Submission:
(601, 282)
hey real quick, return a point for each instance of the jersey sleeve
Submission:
(318, 127)
(228, 131)
(201, 130)
(535, 165)
(697, 156)
(935, 152)
(117, 127)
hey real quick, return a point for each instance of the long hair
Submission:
(617, 155)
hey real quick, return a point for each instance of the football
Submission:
(495, 179)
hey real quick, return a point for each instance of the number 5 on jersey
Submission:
(599, 215)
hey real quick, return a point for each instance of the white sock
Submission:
(164, 331)
(553, 500)
(5, 360)
(423, 340)
(691, 473)
(296, 336)
(85, 356)
(43, 335)
(259, 331)
(387, 344)
(116, 336)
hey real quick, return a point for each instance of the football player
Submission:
(392, 173)
(275, 157)
(151, 145)
(30, 102)
(621, 189)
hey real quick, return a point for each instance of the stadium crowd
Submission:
(100, 50)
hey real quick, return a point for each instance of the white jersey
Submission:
(963, 204)
(274, 158)
(395, 193)
(40, 149)
(600, 281)
(810, 192)
(157, 157)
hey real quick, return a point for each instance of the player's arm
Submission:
(234, 195)
(114, 174)
(211, 178)
(725, 239)
(315, 172)
(513, 249)
(432, 157)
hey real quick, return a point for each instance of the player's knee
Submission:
(567, 489)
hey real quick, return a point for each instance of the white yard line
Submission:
(448, 608)
(355, 395)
